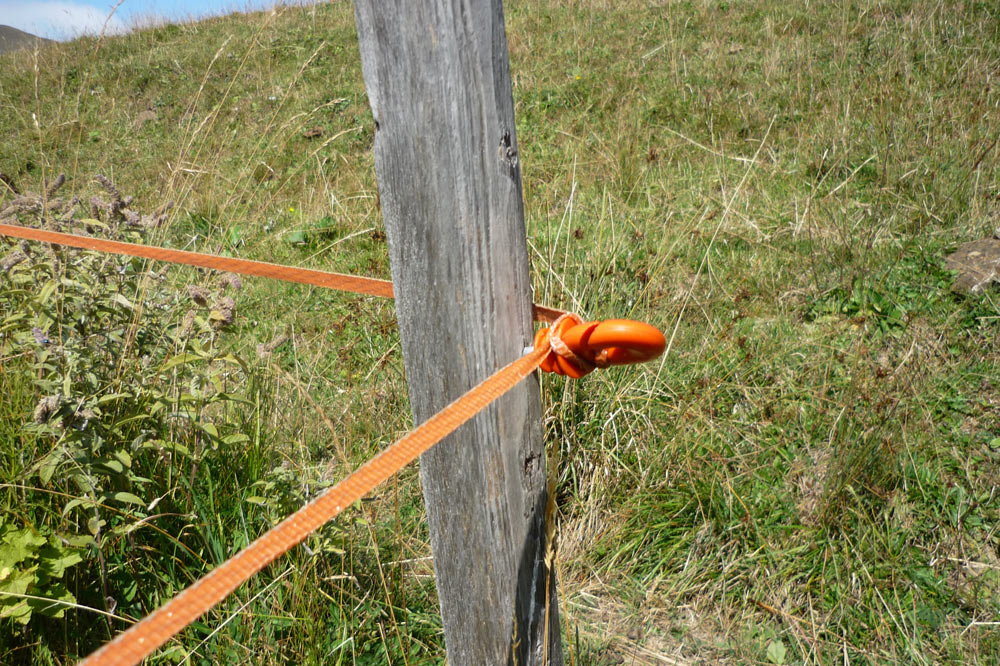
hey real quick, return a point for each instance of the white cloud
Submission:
(59, 20)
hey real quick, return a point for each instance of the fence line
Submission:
(569, 347)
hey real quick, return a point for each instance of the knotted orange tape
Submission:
(578, 347)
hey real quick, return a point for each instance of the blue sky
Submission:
(65, 19)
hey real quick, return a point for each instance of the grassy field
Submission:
(810, 475)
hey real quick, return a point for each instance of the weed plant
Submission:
(808, 476)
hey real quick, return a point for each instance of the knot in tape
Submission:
(578, 347)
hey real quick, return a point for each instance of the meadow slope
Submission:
(809, 476)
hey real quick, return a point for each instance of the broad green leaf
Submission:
(122, 301)
(17, 545)
(163, 445)
(113, 397)
(91, 222)
(129, 498)
(47, 290)
(298, 237)
(231, 397)
(94, 525)
(123, 457)
(138, 417)
(180, 359)
(17, 582)
(776, 652)
(47, 468)
(112, 465)
(51, 606)
(73, 503)
(81, 541)
(18, 610)
(54, 560)
(84, 483)
(76, 284)
(216, 379)
(175, 654)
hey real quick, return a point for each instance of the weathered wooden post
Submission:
(438, 80)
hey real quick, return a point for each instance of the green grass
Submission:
(808, 476)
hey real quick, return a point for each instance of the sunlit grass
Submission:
(808, 476)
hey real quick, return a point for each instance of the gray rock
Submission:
(977, 264)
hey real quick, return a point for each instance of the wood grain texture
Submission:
(438, 80)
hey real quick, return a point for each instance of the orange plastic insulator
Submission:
(578, 347)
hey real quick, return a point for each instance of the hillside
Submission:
(809, 476)
(12, 39)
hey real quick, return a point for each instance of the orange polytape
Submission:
(352, 283)
(142, 638)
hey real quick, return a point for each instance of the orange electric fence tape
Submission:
(360, 285)
(569, 346)
(352, 283)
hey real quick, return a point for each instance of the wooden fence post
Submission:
(438, 80)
